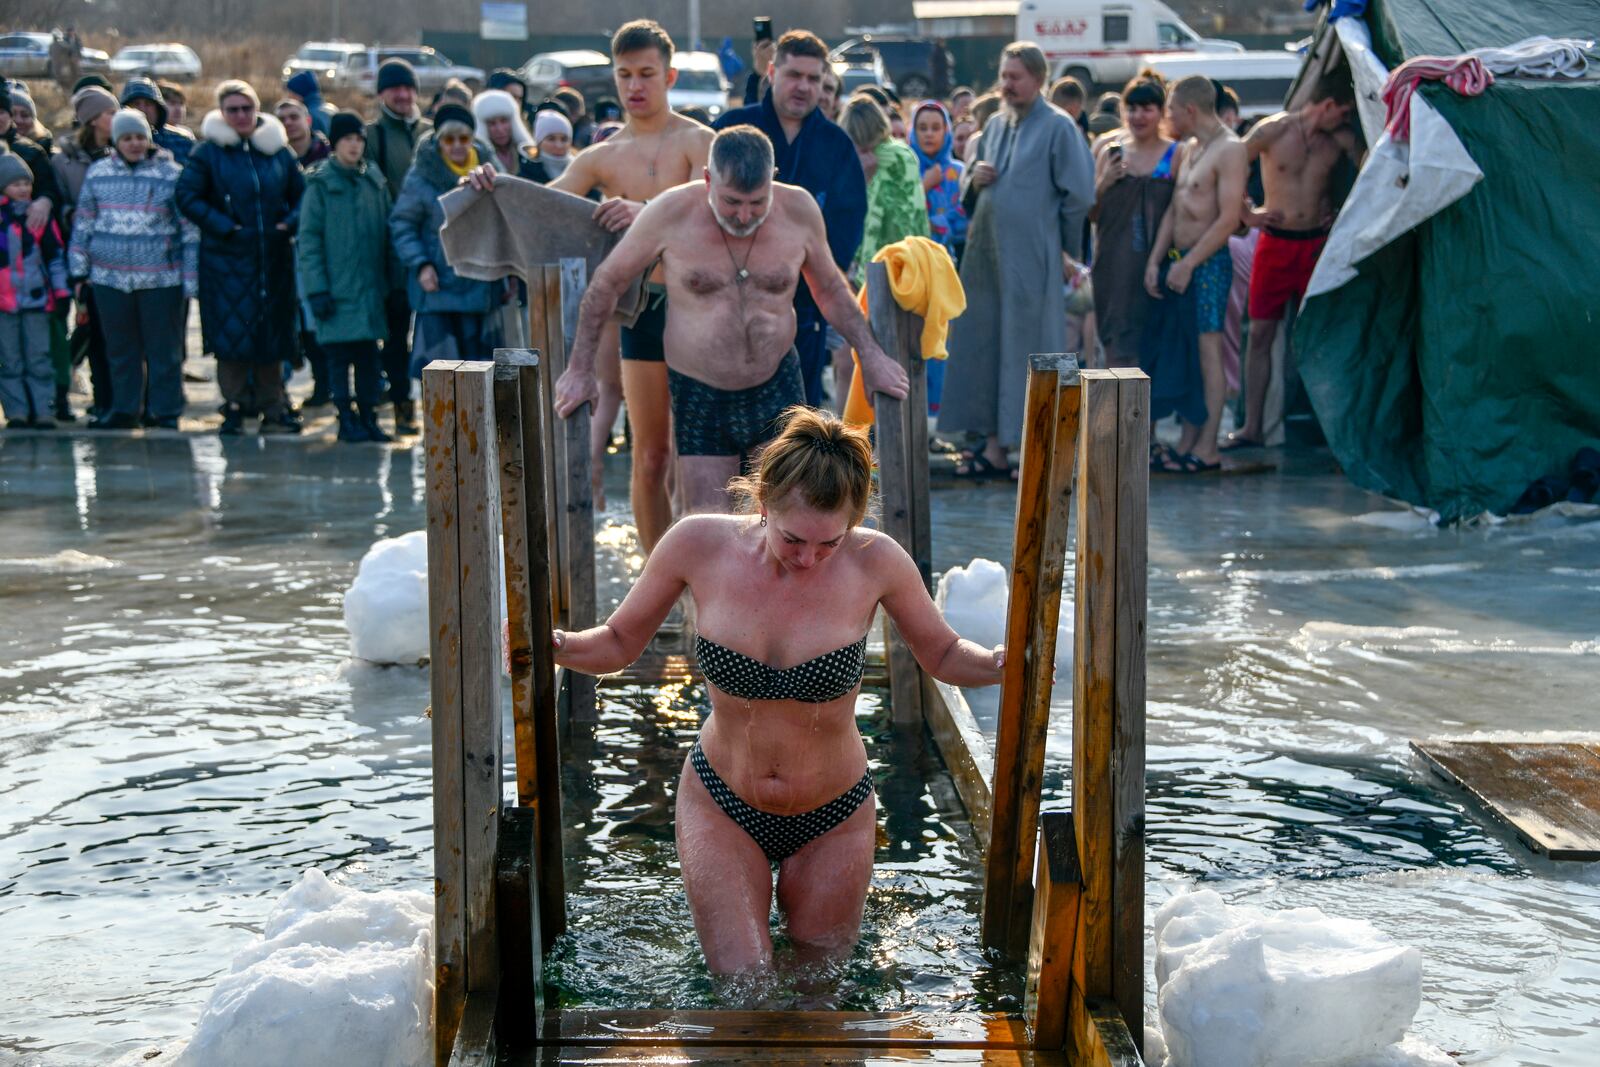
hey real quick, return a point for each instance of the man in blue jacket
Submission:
(813, 153)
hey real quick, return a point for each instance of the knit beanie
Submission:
(5, 94)
(88, 80)
(128, 121)
(237, 87)
(396, 72)
(12, 169)
(548, 122)
(343, 124)
(453, 112)
(90, 102)
(20, 98)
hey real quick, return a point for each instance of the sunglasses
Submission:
(455, 138)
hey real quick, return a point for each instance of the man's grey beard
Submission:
(732, 229)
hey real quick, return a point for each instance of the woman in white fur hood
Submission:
(242, 187)
(513, 149)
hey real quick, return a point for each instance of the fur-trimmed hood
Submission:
(269, 138)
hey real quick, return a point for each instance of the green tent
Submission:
(1461, 359)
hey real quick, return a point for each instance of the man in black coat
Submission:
(242, 187)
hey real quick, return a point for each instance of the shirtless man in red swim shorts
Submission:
(1298, 152)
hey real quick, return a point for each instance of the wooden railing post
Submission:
(464, 606)
(519, 417)
(1108, 690)
(895, 425)
(1038, 562)
(1057, 886)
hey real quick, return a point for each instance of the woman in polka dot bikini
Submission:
(783, 596)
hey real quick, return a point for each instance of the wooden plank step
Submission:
(709, 1055)
(798, 1029)
(1547, 792)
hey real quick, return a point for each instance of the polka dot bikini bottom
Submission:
(780, 836)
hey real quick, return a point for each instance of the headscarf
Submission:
(947, 221)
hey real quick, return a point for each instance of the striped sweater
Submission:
(127, 233)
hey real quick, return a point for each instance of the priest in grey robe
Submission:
(1034, 184)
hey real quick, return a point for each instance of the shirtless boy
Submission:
(655, 150)
(732, 250)
(1298, 150)
(1211, 173)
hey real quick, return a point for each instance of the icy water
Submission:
(181, 733)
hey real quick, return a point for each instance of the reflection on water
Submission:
(181, 733)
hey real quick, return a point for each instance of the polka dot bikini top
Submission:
(816, 681)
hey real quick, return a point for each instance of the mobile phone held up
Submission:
(763, 28)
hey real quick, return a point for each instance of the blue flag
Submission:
(731, 63)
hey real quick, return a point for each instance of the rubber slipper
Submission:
(1173, 462)
(1238, 441)
(1193, 464)
(979, 468)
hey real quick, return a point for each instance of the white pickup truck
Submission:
(1101, 42)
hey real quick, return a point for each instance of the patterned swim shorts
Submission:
(1210, 284)
(707, 421)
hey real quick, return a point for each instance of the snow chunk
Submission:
(974, 598)
(386, 607)
(337, 973)
(1241, 987)
(1411, 520)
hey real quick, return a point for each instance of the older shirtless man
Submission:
(655, 150)
(1210, 172)
(732, 249)
(1298, 152)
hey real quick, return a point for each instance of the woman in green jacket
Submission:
(345, 267)
(897, 207)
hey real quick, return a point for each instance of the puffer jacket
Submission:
(239, 192)
(343, 249)
(127, 233)
(414, 227)
(33, 263)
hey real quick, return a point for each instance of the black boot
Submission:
(284, 421)
(369, 424)
(232, 421)
(63, 407)
(404, 418)
(351, 427)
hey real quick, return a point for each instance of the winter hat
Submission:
(343, 124)
(90, 102)
(12, 169)
(498, 104)
(504, 77)
(237, 87)
(548, 122)
(128, 121)
(144, 89)
(88, 80)
(304, 84)
(453, 112)
(396, 72)
(5, 94)
(20, 97)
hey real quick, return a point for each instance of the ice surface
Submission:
(339, 977)
(973, 599)
(67, 561)
(386, 607)
(1242, 987)
(1411, 520)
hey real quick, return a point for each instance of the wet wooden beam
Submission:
(1100, 1037)
(1548, 793)
(895, 485)
(519, 417)
(563, 290)
(775, 1029)
(478, 526)
(475, 1044)
(540, 327)
(444, 649)
(521, 992)
(1057, 886)
(825, 1056)
(1007, 891)
(964, 749)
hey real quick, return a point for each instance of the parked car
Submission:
(27, 55)
(917, 67)
(700, 83)
(853, 76)
(175, 61)
(324, 58)
(1103, 42)
(587, 71)
(360, 70)
(1260, 79)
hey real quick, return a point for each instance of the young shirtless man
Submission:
(732, 249)
(1211, 172)
(655, 150)
(1298, 150)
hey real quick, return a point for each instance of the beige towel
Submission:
(522, 225)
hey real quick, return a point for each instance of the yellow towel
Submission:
(923, 278)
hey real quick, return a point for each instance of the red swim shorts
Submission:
(1283, 265)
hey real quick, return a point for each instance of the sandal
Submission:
(1193, 464)
(1162, 458)
(1238, 441)
(979, 468)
